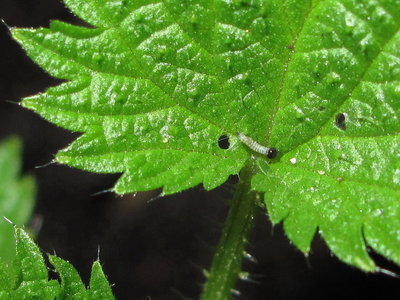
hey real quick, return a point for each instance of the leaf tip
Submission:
(366, 265)
(30, 103)
(61, 158)
(18, 33)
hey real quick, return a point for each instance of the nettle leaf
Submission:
(72, 286)
(99, 286)
(32, 278)
(71, 283)
(17, 196)
(337, 125)
(156, 84)
(31, 271)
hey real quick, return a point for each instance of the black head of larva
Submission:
(272, 152)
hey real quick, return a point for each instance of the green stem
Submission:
(226, 265)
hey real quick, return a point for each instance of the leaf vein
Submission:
(285, 74)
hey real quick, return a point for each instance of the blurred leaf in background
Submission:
(17, 195)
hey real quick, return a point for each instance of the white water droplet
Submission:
(293, 160)
(350, 20)
(320, 172)
(396, 176)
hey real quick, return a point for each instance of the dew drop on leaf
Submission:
(333, 78)
(397, 89)
(97, 57)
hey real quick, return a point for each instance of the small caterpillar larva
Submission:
(253, 145)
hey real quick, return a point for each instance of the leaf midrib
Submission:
(277, 100)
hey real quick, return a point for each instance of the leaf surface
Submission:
(31, 271)
(156, 84)
(99, 286)
(72, 286)
(32, 276)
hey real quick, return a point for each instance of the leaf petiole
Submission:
(227, 261)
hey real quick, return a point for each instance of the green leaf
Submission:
(16, 196)
(7, 279)
(337, 124)
(32, 276)
(71, 283)
(31, 271)
(99, 286)
(156, 84)
(72, 286)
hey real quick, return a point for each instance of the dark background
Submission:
(148, 249)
